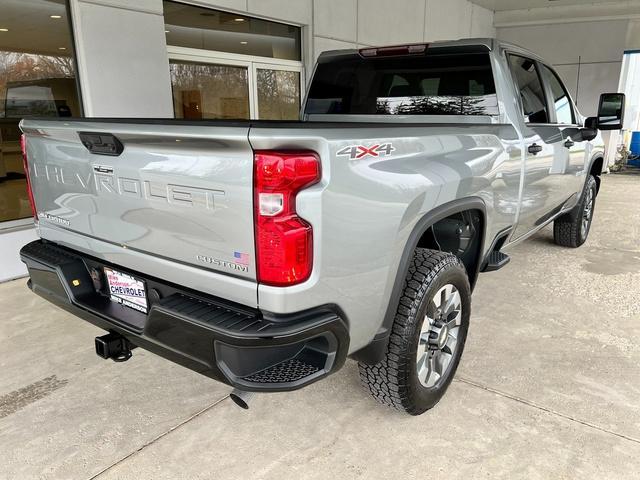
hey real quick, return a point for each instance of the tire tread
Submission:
(566, 228)
(387, 380)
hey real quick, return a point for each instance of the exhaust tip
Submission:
(241, 398)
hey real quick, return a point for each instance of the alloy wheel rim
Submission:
(586, 213)
(438, 341)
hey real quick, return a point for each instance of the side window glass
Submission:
(529, 85)
(561, 101)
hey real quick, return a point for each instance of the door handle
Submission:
(534, 149)
(569, 143)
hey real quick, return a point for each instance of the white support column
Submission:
(122, 58)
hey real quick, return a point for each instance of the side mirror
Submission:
(611, 111)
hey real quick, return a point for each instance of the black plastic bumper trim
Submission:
(240, 346)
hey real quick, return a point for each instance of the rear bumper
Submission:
(243, 347)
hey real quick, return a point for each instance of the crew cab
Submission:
(264, 253)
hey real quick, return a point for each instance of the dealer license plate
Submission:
(126, 290)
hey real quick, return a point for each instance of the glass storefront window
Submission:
(207, 29)
(37, 78)
(207, 91)
(230, 66)
(278, 94)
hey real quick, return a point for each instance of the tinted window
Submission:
(417, 85)
(561, 101)
(528, 81)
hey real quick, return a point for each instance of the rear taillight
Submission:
(25, 164)
(284, 241)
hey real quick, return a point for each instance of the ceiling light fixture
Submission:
(239, 19)
(62, 48)
(167, 31)
(243, 43)
(56, 16)
(4, 29)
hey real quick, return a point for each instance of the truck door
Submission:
(567, 119)
(545, 178)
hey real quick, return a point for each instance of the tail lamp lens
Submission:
(284, 241)
(25, 164)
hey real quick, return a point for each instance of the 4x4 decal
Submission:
(356, 152)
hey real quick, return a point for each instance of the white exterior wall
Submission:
(122, 58)
(10, 244)
(360, 23)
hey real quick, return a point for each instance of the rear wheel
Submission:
(572, 228)
(428, 335)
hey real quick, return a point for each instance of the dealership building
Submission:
(250, 59)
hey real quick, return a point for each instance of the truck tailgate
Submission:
(177, 192)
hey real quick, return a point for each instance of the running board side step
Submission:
(496, 261)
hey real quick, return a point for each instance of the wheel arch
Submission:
(374, 352)
(595, 168)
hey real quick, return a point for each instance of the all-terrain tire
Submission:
(572, 228)
(394, 381)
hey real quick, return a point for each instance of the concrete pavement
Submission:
(549, 387)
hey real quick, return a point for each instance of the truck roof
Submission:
(476, 44)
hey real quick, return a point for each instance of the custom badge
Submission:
(240, 261)
(357, 152)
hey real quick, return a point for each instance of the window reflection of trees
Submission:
(223, 91)
(278, 94)
(23, 67)
(438, 105)
(211, 91)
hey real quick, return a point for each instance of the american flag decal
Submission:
(241, 258)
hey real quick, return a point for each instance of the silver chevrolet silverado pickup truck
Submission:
(263, 253)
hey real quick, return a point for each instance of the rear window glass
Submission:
(452, 84)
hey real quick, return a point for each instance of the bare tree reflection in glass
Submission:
(208, 91)
(278, 94)
(437, 105)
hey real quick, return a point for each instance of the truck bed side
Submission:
(365, 209)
